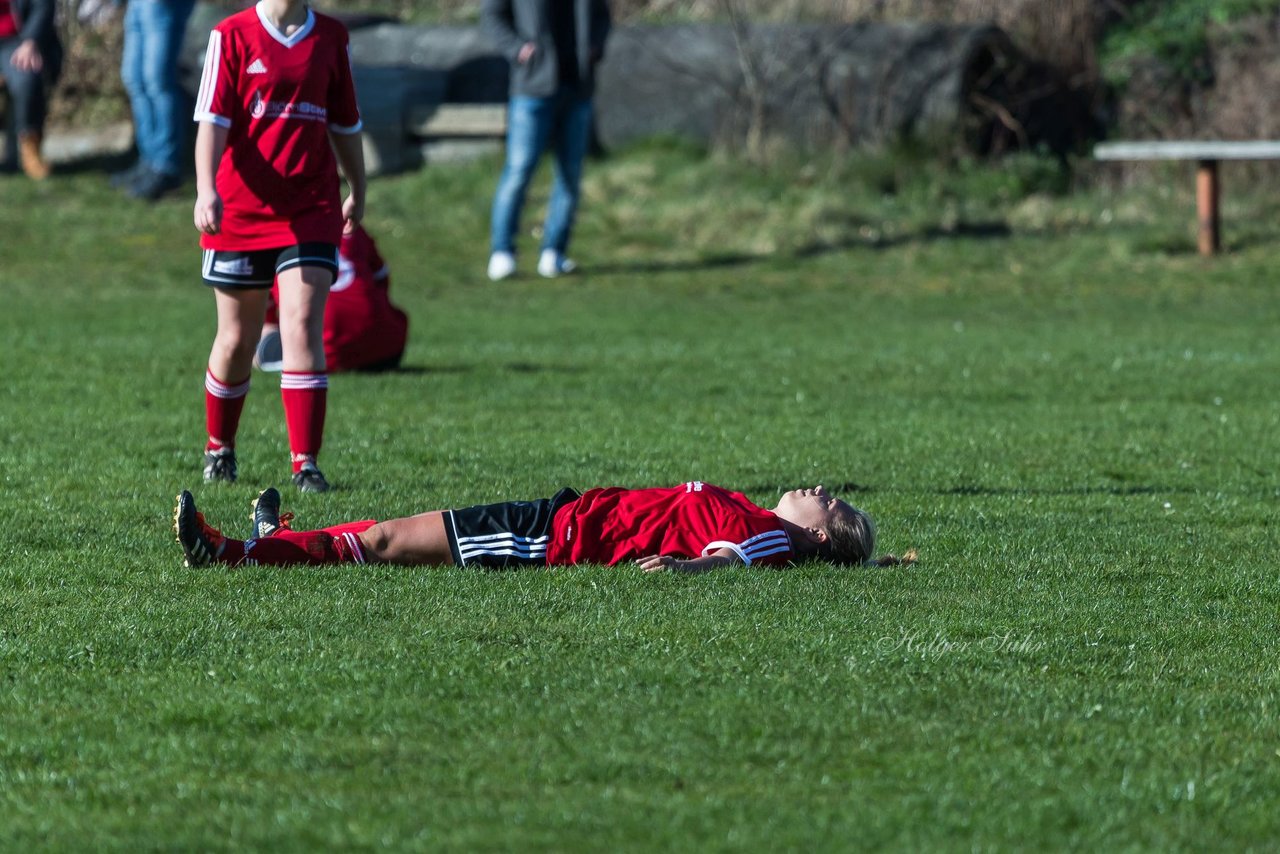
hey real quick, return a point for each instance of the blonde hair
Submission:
(851, 538)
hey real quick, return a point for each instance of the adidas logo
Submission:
(235, 267)
(257, 67)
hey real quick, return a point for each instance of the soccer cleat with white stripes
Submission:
(266, 513)
(201, 543)
(220, 465)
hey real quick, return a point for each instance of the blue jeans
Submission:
(563, 122)
(28, 99)
(153, 34)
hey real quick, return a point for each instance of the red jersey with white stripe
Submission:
(613, 525)
(279, 97)
(361, 326)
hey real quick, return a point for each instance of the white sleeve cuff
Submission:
(213, 119)
(355, 128)
(725, 544)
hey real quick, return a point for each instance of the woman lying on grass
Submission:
(693, 527)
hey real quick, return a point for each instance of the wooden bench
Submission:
(1207, 155)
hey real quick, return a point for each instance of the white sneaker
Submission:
(553, 264)
(501, 265)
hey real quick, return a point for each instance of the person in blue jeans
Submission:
(153, 35)
(30, 59)
(553, 47)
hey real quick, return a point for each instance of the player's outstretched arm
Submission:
(211, 142)
(706, 563)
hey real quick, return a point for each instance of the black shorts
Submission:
(257, 269)
(501, 536)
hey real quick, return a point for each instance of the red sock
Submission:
(337, 544)
(304, 396)
(347, 542)
(223, 404)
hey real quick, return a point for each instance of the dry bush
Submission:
(1236, 102)
(89, 92)
(1063, 33)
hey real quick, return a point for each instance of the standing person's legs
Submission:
(304, 381)
(8, 138)
(28, 104)
(240, 316)
(164, 26)
(573, 135)
(133, 75)
(304, 291)
(160, 70)
(528, 128)
(226, 382)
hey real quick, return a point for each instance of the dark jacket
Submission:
(35, 21)
(512, 23)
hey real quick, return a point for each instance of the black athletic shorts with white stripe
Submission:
(257, 269)
(507, 535)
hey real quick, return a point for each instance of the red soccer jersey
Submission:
(613, 525)
(361, 326)
(279, 97)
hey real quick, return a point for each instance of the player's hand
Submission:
(706, 563)
(27, 57)
(661, 563)
(208, 212)
(527, 50)
(352, 214)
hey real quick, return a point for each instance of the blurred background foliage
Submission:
(1148, 63)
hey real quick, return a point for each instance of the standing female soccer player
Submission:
(276, 92)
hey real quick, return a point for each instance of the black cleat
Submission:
(150, 185)
(124, 178)
(201, 544)
(220, 465)
(310, 479)
(266, 513)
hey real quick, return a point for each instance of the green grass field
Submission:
(1071, 416)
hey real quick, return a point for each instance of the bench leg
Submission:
(1207, 206)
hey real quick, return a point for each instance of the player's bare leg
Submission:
(240, 318)
(303, 294)
(417, 539)
(304, 382)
